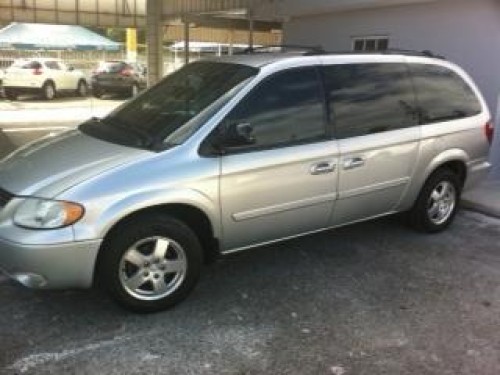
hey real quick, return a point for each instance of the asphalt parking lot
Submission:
(374, 298)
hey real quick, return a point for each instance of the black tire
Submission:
(421, 217)
(82, 89)
(49, 91)
(134, 90)
(115, 272)
(98, 92)
(11, 94)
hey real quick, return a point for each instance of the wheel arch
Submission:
(453, 159)
(49, 81)
(194, 217)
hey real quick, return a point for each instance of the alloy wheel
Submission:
(153, 268)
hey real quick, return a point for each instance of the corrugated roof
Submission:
(53, 37)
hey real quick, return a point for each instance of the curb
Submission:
(480, 208)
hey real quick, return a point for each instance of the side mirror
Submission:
(239, 134)
(234, 135)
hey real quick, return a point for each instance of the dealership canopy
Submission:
(30, 36)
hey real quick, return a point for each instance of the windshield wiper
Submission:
(144, 137)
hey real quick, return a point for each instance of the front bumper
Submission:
(58, 266)
(22, 89)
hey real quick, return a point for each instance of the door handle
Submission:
(352, 163)
(323, 168)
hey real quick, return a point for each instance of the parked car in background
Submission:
(45, 76)
(2, 75)
(118, 77)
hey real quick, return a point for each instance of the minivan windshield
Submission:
(152, 117)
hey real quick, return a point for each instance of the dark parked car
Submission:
(118, 77)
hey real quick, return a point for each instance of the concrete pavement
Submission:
(62, 110)
(29, 119)
(485, 198)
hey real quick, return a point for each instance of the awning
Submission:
(30, 36)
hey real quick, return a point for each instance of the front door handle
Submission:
(352, 163)
(323, 168)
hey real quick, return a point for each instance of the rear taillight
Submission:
(37, 71)
(489, 130)
(126, 72)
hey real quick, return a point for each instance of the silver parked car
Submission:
(232, 153)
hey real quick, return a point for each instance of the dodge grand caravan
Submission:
(232, 153)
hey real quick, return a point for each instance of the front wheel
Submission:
(98, 92)
(437, 203)
(150, 264)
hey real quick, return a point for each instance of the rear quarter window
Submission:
(442, 94)
(23, 64)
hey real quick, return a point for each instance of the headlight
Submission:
(37, 213)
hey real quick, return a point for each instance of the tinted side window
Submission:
(442, 94)
(27, 65)
(52, 65)
(369, 98)
(285, 109)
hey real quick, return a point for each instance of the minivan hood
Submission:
(51, 165)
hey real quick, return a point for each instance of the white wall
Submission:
(466, 32)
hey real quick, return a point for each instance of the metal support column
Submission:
(186, 40)
(251, 28)
(154, 40)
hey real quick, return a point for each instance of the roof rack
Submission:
(392, 51)
(407, 52)
(318, 50)
(284, 48)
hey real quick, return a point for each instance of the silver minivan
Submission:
(236, 152)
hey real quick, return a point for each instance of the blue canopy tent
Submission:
(31, 36)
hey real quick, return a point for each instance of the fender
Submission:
(99, 226)
(421, 176)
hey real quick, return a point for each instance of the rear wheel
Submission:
(437, 203)
(49, 91)
(151, 263)
(82, 89)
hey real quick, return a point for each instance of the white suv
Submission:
(44, 75)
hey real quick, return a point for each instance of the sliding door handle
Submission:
(352, 163)
(323, 168)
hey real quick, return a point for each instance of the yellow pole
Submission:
(132, 45)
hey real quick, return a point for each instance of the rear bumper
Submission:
(477, 171)
(60, 266)
(112, 86)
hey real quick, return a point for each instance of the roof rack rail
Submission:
(283, 48)
(392, 51)
(408, 52)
